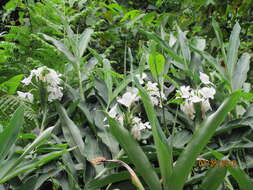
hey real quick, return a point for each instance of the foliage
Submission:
(126, 70)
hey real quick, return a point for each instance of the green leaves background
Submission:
(100, 47)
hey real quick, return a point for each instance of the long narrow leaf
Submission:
(184, 46)
(163, 148)
(135, 153)
(219, 37)
(84, 40)
(61, 47)
(214, 178)
(38, 141)
(161, 43)
(199, 140)
(232, 54)
(241, 70)
(244, 181)
(72, 134)
(9, 136)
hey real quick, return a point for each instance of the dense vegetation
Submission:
(153, 95)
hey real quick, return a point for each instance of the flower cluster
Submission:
(25, 95)
(138, 126)
(192, 96)
(154, 93)
(131, 95)
(114, 113)
(50, 77)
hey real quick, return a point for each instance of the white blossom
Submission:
(207, 92)
(141, 77)
(188, 109)
(25, 95)
(114, 113)
(152, 87)
(51, 78)
(138, 126)
(192, 96)
(135, 131)
(129, 97)
(205, 106)
(154, 93)
(55, 92)
(173, 40)
(204, 78)
(195, 99)
(27, 81)
(138, 123)
(185, 91)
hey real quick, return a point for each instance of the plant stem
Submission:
(43, 120)
(121, 152)
(80, 83)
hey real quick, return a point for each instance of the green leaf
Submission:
(11, 85)
(35, 182)
(241, 70)
(184, 46)
(199, 140)
(37, 162)
(72, 134)
(234, 43)
(101, 182)
(9, 136)
(104, 134)
(162, 44)
(163, 148)
(93, 149)
(108, 77)
(84, 40)
(214, 178)
(135, 153)
(212, 61)
(219, 37)
(244, 181)
(61, 47)
(15, 163)
(236, 123)
(156, 64)
(120, 88)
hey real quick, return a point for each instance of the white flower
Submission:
(136, 132)
(141, 77)
(27, 81)
(152, 86)
(51, 78)
(173, 40)
(129, 97)
(188, 109)
(205, 106)
(204, 78)
(154, 93)
(154, 100)
(138, 126)
(185, 91)
(25, 95)
(207, 92)
(113, 112)
(138, 123)
(195, 99)
(54, 93)
(44, 74)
